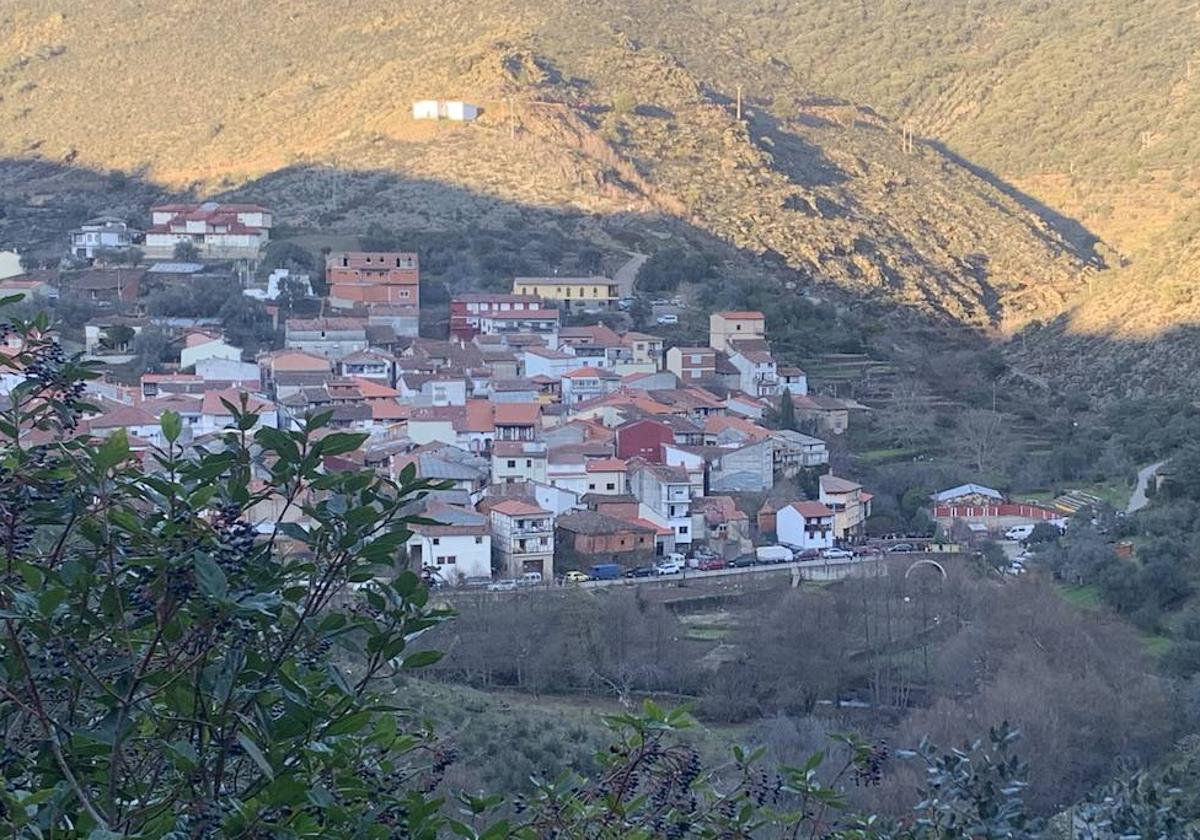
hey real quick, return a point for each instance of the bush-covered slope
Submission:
(608, 109)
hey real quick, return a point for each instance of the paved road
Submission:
(627, 274)
(1138, 500)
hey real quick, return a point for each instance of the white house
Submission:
(665, 496)
(214, 416)
(588, 383)
(543, 361)
(454, 110)
(215, 348)
(106, 233)
(458, 548)
(227, 370)
(805, 525)
(10, 264)
(758, 374)
(518, 460)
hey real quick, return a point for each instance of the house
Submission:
(851, 506)
(692, 364)
(522, 539)
(284, 372)
(532, 322)
(827, 413)
(463, 471)
(135, 420)
(199, 346)
(793, 379)
(214, 229)
(518, 460)
(332, 338)
(467, 309)
(732, 431)
(795, 452)
(587, 383)
(232, 371)
(606, 476)
(749, 468)
(454, 110)
(598, 346)
(27, 287)
(976, 504)
(102, 234)
(717, 521)
(574, 292)
(646, 350)
(665, 496)
(457, 549)
(662, 380)
(515, 389)
(805, 525)
(758, 374)
(383, 278)
(643, 439)
(104, 286)
(368, 364)
(726, 326)
(516, 421)
(744, 405)
(113, 333)
(543, 361)
(583, 538)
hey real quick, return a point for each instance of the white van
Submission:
(1019, 533)
(531, 579)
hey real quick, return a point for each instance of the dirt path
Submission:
(627, 274)
(1139, 500)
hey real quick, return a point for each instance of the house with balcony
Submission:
(664, 495)
(332, 338)
(103, 234)
(758, 374)
(537, 322)
(805, 525)
(519, 421)
(795, 452)
(522, 538)
(851, 506)
(466, 311)
(545, 361)
(588, 383)
(215, 229)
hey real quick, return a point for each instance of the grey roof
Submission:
(176, 268)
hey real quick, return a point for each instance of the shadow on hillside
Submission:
(40, 201)
(1070, 229)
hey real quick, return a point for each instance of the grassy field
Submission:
(1084, 597)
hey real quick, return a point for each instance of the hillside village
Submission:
(562, 448)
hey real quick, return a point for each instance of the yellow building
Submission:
(577, 292)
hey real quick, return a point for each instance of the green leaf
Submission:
(183, 755)
(348, 724)
(210, 578)
(172, 425)
(256, 755)
(422, 659)
(113, 451)
(339, 443)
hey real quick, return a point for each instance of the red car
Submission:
(710, 564)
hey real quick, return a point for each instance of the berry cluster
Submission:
(868, 770)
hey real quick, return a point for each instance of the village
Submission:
(566, 452)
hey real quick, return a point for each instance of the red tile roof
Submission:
(605, 465)
(516, 413)
(514, 507)
(742, 315)
(812, 510)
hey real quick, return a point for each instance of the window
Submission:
(449, 560)
(437, 541)
(696, 373)
(695, 358)
(544, 541)
(610, 486)
(479, 541)
(737, 326)
(591, 486)
(683, 529)
(528, 463)
(512, 465)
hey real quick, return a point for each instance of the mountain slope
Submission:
(598, 109)
(1091, 108)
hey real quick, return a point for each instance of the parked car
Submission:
(668, 567)
(606, 571)
(625, 303)
(710, 564)
(837, 554)
(668, 320)
(660, 302)
(507, 585)
(743, 561)
(807, 554)
(576, 576)
(641, 571)
(1019, 533)
(902, 548)
(531, 579)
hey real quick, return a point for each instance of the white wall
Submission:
(789, 528)
(472, 555)
(188, 356)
